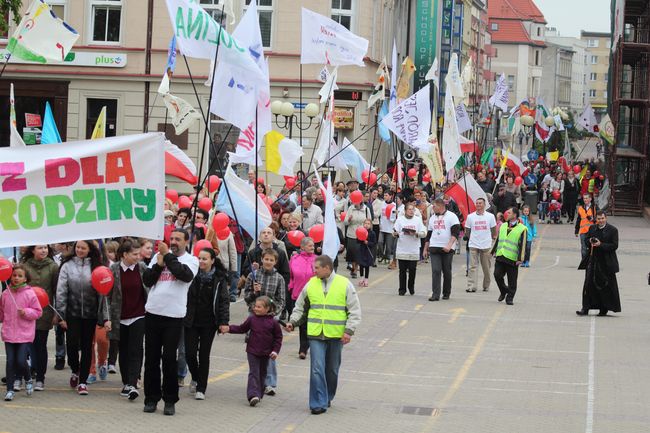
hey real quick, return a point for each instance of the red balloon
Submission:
(356, 197)
(365, 176)
(214, 183)
(362, 233)
(172, 194)
(184, 201)
(576, 169)
(260, 180)
(317, 233)
(412, 172)
(102, 280)
(205, 203)
(220, 221)
(518, 180)
(596, 173)
(223, 234)
(541, 158)
(372, 179)
(41, 295)
(343, 214)
(601, 177)
(5, 269)
(426, 177)
(295, 236)
(556, 195)
(203, 243)
(389, 209)
(290, 181)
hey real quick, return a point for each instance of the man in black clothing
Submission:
(503, 200)
(510, 254)
(487, 185)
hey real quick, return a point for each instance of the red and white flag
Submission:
(465, 192)
(515, 164)
(178, 164)
(469, 146)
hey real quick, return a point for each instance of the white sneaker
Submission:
(112, 369)
(193, 387)
(39, 386)
(9, 396)
(18, 385)
(199, 396)
(269, 390)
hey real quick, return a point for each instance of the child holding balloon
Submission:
(366, 240)
(19, 310)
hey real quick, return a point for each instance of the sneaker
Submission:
(233, 298)
(91, 379)
(39, 386)
(18, 385)
(59, 364)
(181, 382)
(269, 390)
(29, 387)
(150, 407)
(199, 396)
(193, 387)
(74, 380)
(103, 372)
(170, 409)
(125, 390)
(133, 394)
(253, 401)
(353, 275)
(82, 389)
(112, 369)
(9, 395)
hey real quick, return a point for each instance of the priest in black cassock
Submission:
(600, 289)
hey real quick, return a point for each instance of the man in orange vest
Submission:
(586, 218)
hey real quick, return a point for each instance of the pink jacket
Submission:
(17, 329)
(302, 269)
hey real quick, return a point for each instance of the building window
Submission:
(605, 94)
(592, 93)
(494, 27)
(536, 57)
(511, 83)
(93, 108)
(106, 20)
(539, 31)
(593, 76)
(265, 13)
(592, 43)
(342, 12)
(58, 7)
(213, 8)
(594, 60)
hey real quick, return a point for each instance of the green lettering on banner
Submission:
(194, 25)
(84, 197)
(100, 203)
(426, 41)
(214, 24)
(31, 212)
(119, 204)
(146, 199)
(53, 206)
(180, 23)
(228, 42)
(8, 209)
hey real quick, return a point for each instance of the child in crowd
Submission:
(543, 197)
(365, 258)
(531, 229)
(19, 310)
(500, 220)
(263, 345)
(555, 210)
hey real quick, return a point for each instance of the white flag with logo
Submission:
(182, 114)
(324, 41)
(245, 150)
(411, 120)
(588, 120)
(501, 94)
(453, 82)
(434, 73)
(331, 241)
(462, 118)
(450, 136)
(329, 86)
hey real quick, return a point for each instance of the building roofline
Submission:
(595, 34)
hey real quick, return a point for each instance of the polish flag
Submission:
(465, 192)
(469, 146)
(178, 164)
(515, 164)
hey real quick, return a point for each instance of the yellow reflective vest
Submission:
(327, 313)
(508, 246)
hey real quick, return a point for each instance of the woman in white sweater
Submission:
(354, 218)
(408, 230)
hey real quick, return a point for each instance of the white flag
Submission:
(233, 83)
(324, 142)
(330, 86)
(245, 150)
(462, 118)
(434, 73)
(392, 103)
(588, 119)
(450, 136)
(182, 114)
(323, 75)
(163, 88)
(411, 120)
(331, 241)
(15, 140)
(453, 83)
(324, 41)
(501, 94)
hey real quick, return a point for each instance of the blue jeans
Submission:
(324, 374)
(271, 374)
(16, 363)
(542, 207)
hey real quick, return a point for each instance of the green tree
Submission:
(10, 7)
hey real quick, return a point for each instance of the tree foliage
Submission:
(9, 8)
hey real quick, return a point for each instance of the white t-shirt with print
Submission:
(168, 297)
(440, 228)
(481, 229)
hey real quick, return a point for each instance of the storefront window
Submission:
(94, 107)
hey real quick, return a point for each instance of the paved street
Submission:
(469, 364)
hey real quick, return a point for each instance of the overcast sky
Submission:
(571, 16)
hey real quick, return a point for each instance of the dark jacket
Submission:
(487, 185)
(114, 298)
(216, 289)
(365, 258)
(606, 252)
(571, 192)
(265, 336)
(44, 274)
(255, 256)
(504, 203)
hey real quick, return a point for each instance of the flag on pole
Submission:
(15, 140)
(450, 136)
(504, 161)
(542, 131)
(379, 93)
(607, 130)
(100, 125)
(515, 164)
(404, 80)
(329, 86)
(178, 164)
(384, 133)
(467, 76)
(453, 82)
(393, 78)
(281, 153)
(171, 57)
(352, 158)
(181, 112)
(433, 160)
(331, 241)
(41, 36)
(245, 150)
(465, 192)
(486, 158)
(434, 74)
(410, 121)
(462, 118)
(50, 133)
(588, 120)
(324, 41)
(243, 196)
(501, 94)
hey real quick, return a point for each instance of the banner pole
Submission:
(5, 65)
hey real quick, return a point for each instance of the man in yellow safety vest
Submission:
(330, 306)
(510, 250)
(586, 218)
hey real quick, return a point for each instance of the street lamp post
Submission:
(527, 123)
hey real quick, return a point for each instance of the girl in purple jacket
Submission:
(264, 342)
(19, 309)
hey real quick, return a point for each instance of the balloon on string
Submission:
(317, 233)
(290, 181)
(223, 234)
(184, 201)
(356, 197)
(541, 158)
(518, 180)
(343, 214)
(102, 280)
(596, 173)
(205, 203)
(601, 177)
(372, 179)
(260, 180)
(220, 221)
(412, 172)
(365, 176)
(426, 177)
(214, 182)
(362, 233)
(172, 195)
(389, 209)
(295, 236)
(203, 243)
(41, 295)
(5, 269)
(576, 169)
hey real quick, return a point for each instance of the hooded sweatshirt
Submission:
(17, 328)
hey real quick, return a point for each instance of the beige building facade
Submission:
(597, 53)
